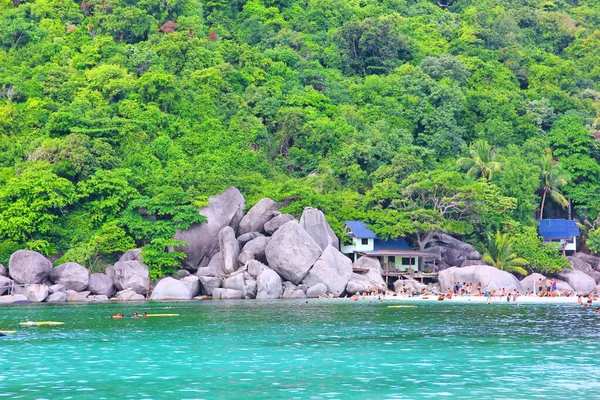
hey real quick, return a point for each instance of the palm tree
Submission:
(551, 181)
(500, 254)
(483, 160)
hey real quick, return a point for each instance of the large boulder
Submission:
(409, 284)
(563, 286)
(358, 284)
(578, 264)
(132, 255)
(230, 250)
(173, 289)
(226, 209)
(254, 268)
(268, 285)
(276, 222)
(26, 266)
(72, 275)
(209, 283)
(101, 284)
(256, 217)
(291, 252)
(235, 282)
(77, 297)
(530, 282)
(3, 270)
(5, 284)
(213, 268)
(333, 269)
(453, 252)
(315, 224)
(130, 274)
(580, 281)
(58, 288)
(491, 278)
(593, 261)
(373, 267)
(34, 293)
(255, 250)
(227, 294)
(13, 298)
(129, 295)
(57, 297)
(250, 288)
(317, 290)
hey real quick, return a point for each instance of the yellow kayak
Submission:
(8, 332)
(40, 323)
(402, 306)
(162, 315)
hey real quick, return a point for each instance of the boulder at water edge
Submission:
(34, 293)
(130, 274)
(373, 267)
(5, 283)
(128, 295)
(581, 282)
(173, 289)
(230, 250)
(77, 297)
(276, 222)
(208, 284)
(224, 210)
(256, 217)
(268, 285)
(235, 282)
(250, 288)
(317, 290)
(333, 269)
(57, 297)
(72, 275)
(491, 278)
(291, 252)
(226, 294)
(358, 284)
(13, 298)
(101, 284)
(26, 266)
(530, 282)
(315, 224)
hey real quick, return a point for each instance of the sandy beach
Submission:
(483, 299)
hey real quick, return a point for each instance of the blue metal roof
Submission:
(359, 229)
(392, 244)
(557, 228)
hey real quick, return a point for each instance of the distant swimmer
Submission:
(598, 310)
(135, 315)
(117, 316)
(145, 315)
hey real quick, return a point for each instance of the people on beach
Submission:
(540, 286)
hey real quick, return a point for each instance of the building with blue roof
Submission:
(562, 231)
(394, 254)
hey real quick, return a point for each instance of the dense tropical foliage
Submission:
(119, 118)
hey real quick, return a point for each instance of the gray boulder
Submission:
(130, 274)
(333, 269)
(72, 275)
(563, 286)
(410, 284)
(250, 288)
(373, 267)
(13, 298)
(101, 284)
(26, 266)
(530, 282)
(56, 288)
(227, 294)
(596, 276)
(254, 268)
(3, 270)
(317, 290)
(208, 284)
(277, 222)
(256, 217)
(213, 268)
(77, 297)
(315, 224)
(578, 264)
(256, 249)
(451, 250)
(34, 293)
(580, 281)
(182, 273)
(132, 255)
(268, 285)
(173, 289)
(97, 298)
(358, 284)
(230, 250)
(128, 295)
(291, 252)
(235, 282)
(57, 297)
(593, 261)
(288, 289)
(246, 237)
(226, 209)
(491, 278)
(5, 284)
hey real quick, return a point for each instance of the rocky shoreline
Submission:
(263, 254)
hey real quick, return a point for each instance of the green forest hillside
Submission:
(118, 118)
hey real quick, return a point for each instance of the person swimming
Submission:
(117, 316)
(145, 315)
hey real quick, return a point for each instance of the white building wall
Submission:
(570, 244)
(358, 246)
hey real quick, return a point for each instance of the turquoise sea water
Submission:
(323, 349)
